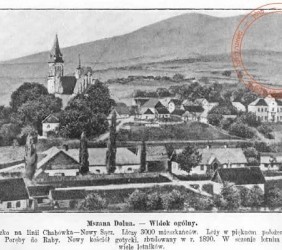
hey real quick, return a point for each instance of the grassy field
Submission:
(187, 131)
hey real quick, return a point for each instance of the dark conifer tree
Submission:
(83, 155)
(143, 157)
(112, 147)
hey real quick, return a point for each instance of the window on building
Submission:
(272, 109)
(202, 167)
(266, 165)
(18, 204)
(265, 118)
(98, 171)
(265, 110)
(9, 205)
(129, 169)
(48, 126)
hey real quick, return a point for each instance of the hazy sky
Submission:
(24, 32)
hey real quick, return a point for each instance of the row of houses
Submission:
(156, 108)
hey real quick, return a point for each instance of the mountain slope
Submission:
(190, 35)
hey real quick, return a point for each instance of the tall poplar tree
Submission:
(143, 157)
(112, 147)
(83, 155)
(30, 157)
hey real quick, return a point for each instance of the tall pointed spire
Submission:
(55, 53)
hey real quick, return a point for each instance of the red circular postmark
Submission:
(236, 50)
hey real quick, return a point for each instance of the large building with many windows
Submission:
(267, 109)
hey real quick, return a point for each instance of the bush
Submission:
(93, 202)
(266, 130)
(173, 200)
(138, 200)
(208, 188)
(241, 130)
(229, 198)
(250, 119)
(274, 197)
(214, 119)
(154, 201)
(202, 203)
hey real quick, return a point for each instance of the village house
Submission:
(50, 124)
(270, 161)
(267, 109)
(174, 104)
(193, 112)
(40, 195)
(239, 106)
(126, 160)
(13, 195)
(57, 162)
(241, 177)
(213, 159)
(153, 109)
(156, 158)
(122, 111)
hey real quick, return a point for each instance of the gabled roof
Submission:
(152, 103)
(200, 100)
(156, 153)
(52, 153)
(39, 191)
(13, 189)
(97, 156)
(177, 102)
(10, 154)
(68, 84)
(68, 194)
(241, 176)
(121, 109)
(259, 102)
(162, 110)
(148, 112)
(178, 112)
(224, 155)
(279, 102)
(51, 119)
(194, 109)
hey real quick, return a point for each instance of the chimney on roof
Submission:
(225, 146)
(66, 147)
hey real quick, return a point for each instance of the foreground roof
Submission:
(13, 189)
(240, 176)
(97, 156)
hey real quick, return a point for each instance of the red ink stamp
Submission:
(236, 50)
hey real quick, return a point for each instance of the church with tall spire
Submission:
(66, 86)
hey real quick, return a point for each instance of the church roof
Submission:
(55, 53)
(68, 84)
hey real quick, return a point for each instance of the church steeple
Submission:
(55, 53)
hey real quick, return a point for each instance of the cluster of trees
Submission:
(142, 201)
(175, 78)
(232, 197)
(244, 125)
(31, 103)
(196, 90)
(87, 113)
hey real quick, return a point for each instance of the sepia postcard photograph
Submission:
(156, 110)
